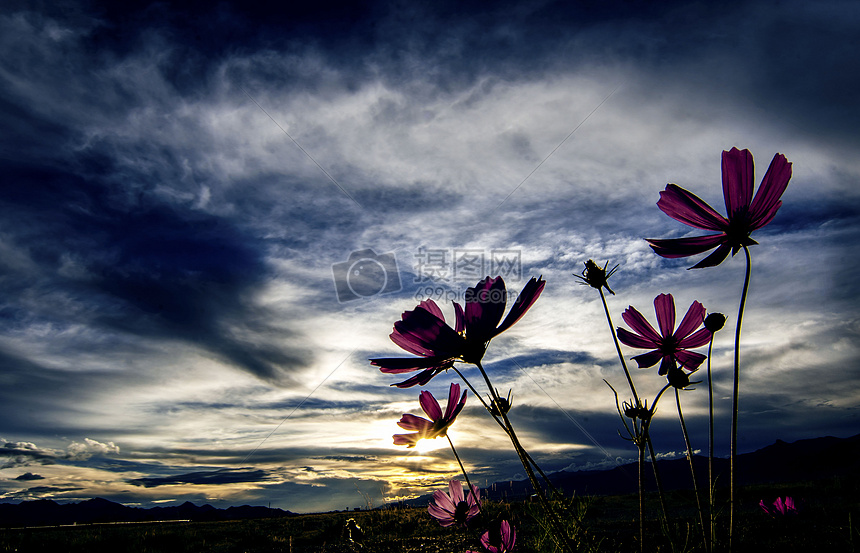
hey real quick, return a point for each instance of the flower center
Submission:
(460, 512)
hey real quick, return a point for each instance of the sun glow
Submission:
(428, 445)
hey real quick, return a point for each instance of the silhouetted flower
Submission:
(679, 379)
(501, 539)
(454, 507)
(745, 213)
(596, 277)
(438, 423)
(424, 332)
(637, 411)
(669, 345)
(780, 507)
(502, 406)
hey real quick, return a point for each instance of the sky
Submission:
(188, 189)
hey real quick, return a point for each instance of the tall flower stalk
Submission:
(705, 540)
(745, 214)
(713, 322)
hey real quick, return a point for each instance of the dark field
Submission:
(827, 522)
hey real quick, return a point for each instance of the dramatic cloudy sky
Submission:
(183, 187)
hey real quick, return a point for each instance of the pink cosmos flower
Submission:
(745, 213)
(454, 507)
(780, 507)
(501, 540)
(438, 423)
(669, 345)
(424, 332)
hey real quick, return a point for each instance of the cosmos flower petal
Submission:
(443, 501)
(409, 440)
(453, 399)
(690, 359)
(689, 209)
(422, 378)
(648, 359)
(473, 498)
(738, 171)
(411, 422)
(664, 305)
(421, 329)
(509, 535)
(692, 320)
(672, 248)
(698, 339)
(765, 218)
(458, 408)
(529, 295)
(460, 318)
(439, 513)
(485, 304)
(396, 365)
(634, 340)
(715, 258)
(773, 185)
(640, 324)
(430, 405)
(410, 343)
(431, 307)
(455, 491)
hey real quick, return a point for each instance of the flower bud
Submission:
(678, 378)
(595, 276)
(715, 321)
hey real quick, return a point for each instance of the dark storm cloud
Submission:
(221, 476)
(30, 476)
(140, 267)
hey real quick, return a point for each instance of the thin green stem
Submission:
(735, 387)
(692, 470)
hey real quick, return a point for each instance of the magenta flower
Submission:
(453, 507)
(424, 332)
(780, 507)
(745, 213)
(669, 345)
(438, 423)
(501, 539)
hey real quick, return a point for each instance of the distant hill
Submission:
(800, 461)
(50, 513)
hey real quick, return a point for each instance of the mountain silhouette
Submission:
(45, 512)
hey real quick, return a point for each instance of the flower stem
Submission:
(463, 470)
(641, 466)
(692, 471)
(618, 349)
(711, 444)
(646, 434)
(503, 427)
(733, 449)
(524, 459)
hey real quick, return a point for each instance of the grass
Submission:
(828, 521)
